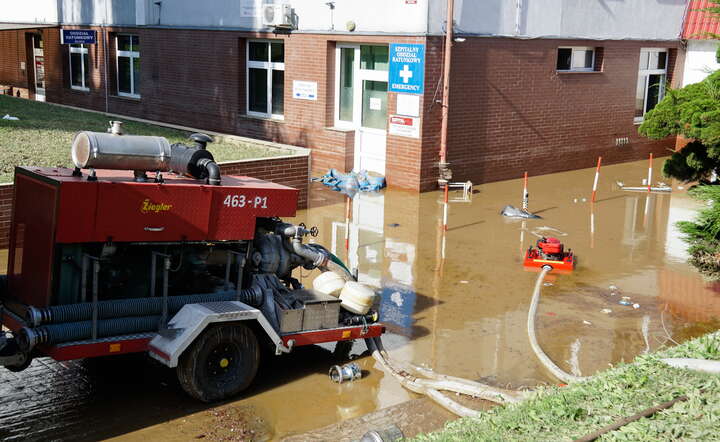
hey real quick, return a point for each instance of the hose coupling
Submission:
(345, 373)
(36, 316)
(28, 338)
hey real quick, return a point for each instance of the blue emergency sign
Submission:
(78, 36)
(407, 68)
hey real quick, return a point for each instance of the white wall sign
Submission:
(305, 90)
(375, 104)
(408, 104)
(404, 126)
(250, 8)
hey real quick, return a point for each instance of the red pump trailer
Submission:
(103, 263)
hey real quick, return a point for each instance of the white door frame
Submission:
(359, 75)
(38, 52)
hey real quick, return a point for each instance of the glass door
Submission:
(361, 102)
(39, 66)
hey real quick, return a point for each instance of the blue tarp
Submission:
(352, 182)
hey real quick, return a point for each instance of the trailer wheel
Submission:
(220, 363)
(16, 368)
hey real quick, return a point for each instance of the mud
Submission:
(453, 299)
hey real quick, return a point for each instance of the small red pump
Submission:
(550, 252)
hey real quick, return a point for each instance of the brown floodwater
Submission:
(453, 300)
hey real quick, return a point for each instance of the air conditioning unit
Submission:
(279, 16)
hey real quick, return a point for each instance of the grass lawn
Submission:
(565, 413)
(43, 136)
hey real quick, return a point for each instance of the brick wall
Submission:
(511, 111)
(197, 78)
(290, 171)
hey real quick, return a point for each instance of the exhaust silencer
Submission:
(125, 152)
(141, 154)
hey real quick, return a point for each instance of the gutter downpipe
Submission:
(444, 166)
(105, 56)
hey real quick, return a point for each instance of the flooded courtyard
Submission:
(454, 299)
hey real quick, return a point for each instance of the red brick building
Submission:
(520, 99)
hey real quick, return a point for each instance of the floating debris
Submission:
(607, 311)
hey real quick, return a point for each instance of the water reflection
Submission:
(455, 297)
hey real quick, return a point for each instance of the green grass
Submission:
(44, 134)
(565, 413)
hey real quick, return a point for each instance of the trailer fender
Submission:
(193, 319)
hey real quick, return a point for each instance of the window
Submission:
(652, 76)
(79, 67)
(361, 85)
(128, 65)
(576, 59)
(265, 78)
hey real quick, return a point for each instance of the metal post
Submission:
(446, 88)
(526, 196)
(597, 177)
(241, 265)
(83, 282)
(166, 270)
(241, 259)
(96, 271)
(153, 274)
(228, 261)
(649, 180)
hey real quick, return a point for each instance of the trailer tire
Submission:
(16, 368)
(220, 363)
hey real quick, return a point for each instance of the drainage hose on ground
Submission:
(119, 308)
(546, 361)
(431, 387)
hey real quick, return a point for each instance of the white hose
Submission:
(703, 365)
(547, 362)
(466, 386)
(431, 387)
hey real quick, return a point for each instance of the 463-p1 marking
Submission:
(258, 202)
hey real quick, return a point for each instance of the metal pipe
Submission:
(96, 272)
(83, 282)
(446, 88)
(166, 270)
(213, 171)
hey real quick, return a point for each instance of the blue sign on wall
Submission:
(78, 36)
(407, 68)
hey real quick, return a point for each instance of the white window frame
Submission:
(132, 55)
(82, 50)
(648, 72)
(359, 75)
(269, 66)
(572, 58)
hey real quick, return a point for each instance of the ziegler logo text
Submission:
(151, 207)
